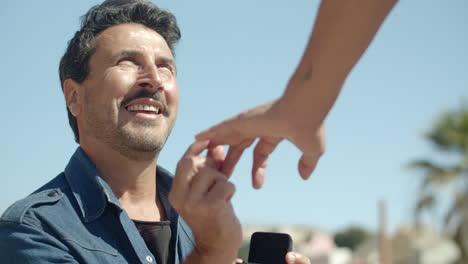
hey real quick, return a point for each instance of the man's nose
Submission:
(150, 79)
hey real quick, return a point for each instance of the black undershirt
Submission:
(157, 236)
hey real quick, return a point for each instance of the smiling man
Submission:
(113, 203)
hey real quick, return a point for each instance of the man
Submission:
(112, 203)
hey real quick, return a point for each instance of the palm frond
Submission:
(423, 164)
(460, 201)
(434, 174)
(427, 201)
(450, 132)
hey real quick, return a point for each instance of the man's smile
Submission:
(146, 108)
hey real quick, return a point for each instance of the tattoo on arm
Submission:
(307, 75)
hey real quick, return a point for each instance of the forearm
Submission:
(342, 32)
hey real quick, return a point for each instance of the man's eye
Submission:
(166, 71)
(166, 67)
(127, 62)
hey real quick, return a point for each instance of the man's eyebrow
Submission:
(126, 53)
(135, 53)
(166, 60)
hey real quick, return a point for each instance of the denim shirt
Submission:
(76, 218)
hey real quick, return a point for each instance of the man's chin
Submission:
(145, 139)
(144, 143)
(140, 151)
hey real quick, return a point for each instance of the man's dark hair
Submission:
(75, 62)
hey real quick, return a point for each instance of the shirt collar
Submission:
(93, 194)
(163, 185)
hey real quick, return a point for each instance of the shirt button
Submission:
(52, 194)
(149, 259)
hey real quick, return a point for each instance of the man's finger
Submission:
(263, 149)
(233, 156)
(216, 154)
(201, 183)
(221, 192)
(296, 258)
(196, 148)
(186, 169)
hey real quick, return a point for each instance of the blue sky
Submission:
(237, 54)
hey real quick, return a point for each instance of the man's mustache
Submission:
(157, 96)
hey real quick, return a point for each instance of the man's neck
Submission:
(132, 181)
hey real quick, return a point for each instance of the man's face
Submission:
(131, 94)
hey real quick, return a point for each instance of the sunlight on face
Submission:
(131, 93)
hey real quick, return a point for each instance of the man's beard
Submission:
(138, 145)
(135, 145)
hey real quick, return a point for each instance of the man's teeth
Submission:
(148, 108)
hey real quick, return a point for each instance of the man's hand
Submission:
(291, 258)
(270, 123)
(296, 258)
(202, 196)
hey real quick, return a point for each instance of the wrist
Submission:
(211, 257)
(303, 107)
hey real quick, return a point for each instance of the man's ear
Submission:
(72, 92)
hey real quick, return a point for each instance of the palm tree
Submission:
(450, 136)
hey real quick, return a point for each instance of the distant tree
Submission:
(351, 237)
(450, 136)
